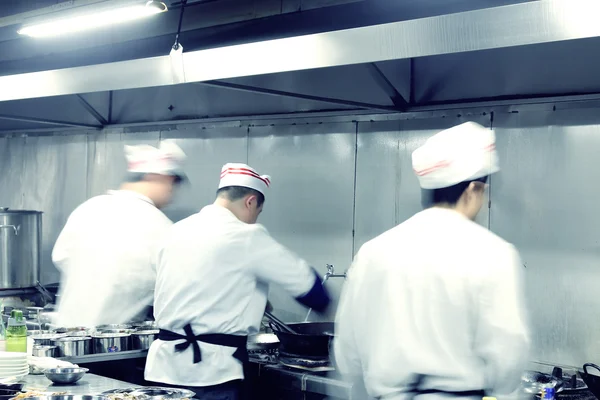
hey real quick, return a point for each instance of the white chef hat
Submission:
(167, 159)
(462, 153)
(236, 174)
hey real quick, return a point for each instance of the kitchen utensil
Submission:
(73, 346)
(65, 376)
(277, 324)
(593, 381)
(160, 393)
(111, 342)
(262, 341)
(20, 247)
(141, 340)
(311, 339)
(45, 351)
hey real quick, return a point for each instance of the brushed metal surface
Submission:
(514, 25)
(207, 150)
(545, 202)
(20, 245)
(388, 191)
(309, 206)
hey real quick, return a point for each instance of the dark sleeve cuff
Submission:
(317, 297)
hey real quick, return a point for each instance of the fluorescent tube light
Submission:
(95, 20)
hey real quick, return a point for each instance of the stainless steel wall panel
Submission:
(545, 202)
(310, 203)
(106, 159)
(207, 151)
(388, 191)
(46, 174)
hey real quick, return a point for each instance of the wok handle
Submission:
(586, 365)
(276, 322)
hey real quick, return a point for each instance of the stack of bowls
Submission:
(13, 364)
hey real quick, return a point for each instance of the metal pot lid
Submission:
(164, 393)
(103, 335)
(50, 336)
(72, 339)
(146, 332)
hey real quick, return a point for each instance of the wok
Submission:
(310, 340)
(592, 381)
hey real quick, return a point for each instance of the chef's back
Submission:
(433, 308)
(106, 251)
(213, 276)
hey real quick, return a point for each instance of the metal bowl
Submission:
(65, 376)
(162, 393)
(69, 397)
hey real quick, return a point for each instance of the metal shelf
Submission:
(95, 358)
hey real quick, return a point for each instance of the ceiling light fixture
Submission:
(96, 20)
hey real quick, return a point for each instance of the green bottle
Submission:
(16, 333)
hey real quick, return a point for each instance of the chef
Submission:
(213, 275)
(433, 308)
(106, 250)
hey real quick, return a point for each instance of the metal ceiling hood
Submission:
(516, 25)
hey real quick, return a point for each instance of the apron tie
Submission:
(239, 342)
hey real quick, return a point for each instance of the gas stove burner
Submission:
(264, 356)
(303, 362)
(303, 357)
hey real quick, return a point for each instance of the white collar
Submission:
(131, 193)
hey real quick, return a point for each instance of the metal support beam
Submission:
(48, 121)
(533, 22)
(280, 93)
(110, 106)
(90, 109)
(384, 83)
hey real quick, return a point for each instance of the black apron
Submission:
(416, 389)
(221, 339)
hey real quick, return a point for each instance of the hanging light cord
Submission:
(176, 44)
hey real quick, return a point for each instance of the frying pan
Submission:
(311, 339)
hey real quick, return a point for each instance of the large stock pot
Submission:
(20, 247)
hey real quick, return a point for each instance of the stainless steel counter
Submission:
(90, 384)
(329, 384)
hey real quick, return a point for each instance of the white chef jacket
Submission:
(105, 255)
(437, 295)
(214, 273)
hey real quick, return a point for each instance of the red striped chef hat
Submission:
(234, 174)
(167, 159)
(462, 153)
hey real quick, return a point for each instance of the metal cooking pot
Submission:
(44, 351)
(311, 339)
(73, 346)
(20, 248)
(141, 340)
(111, 342)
